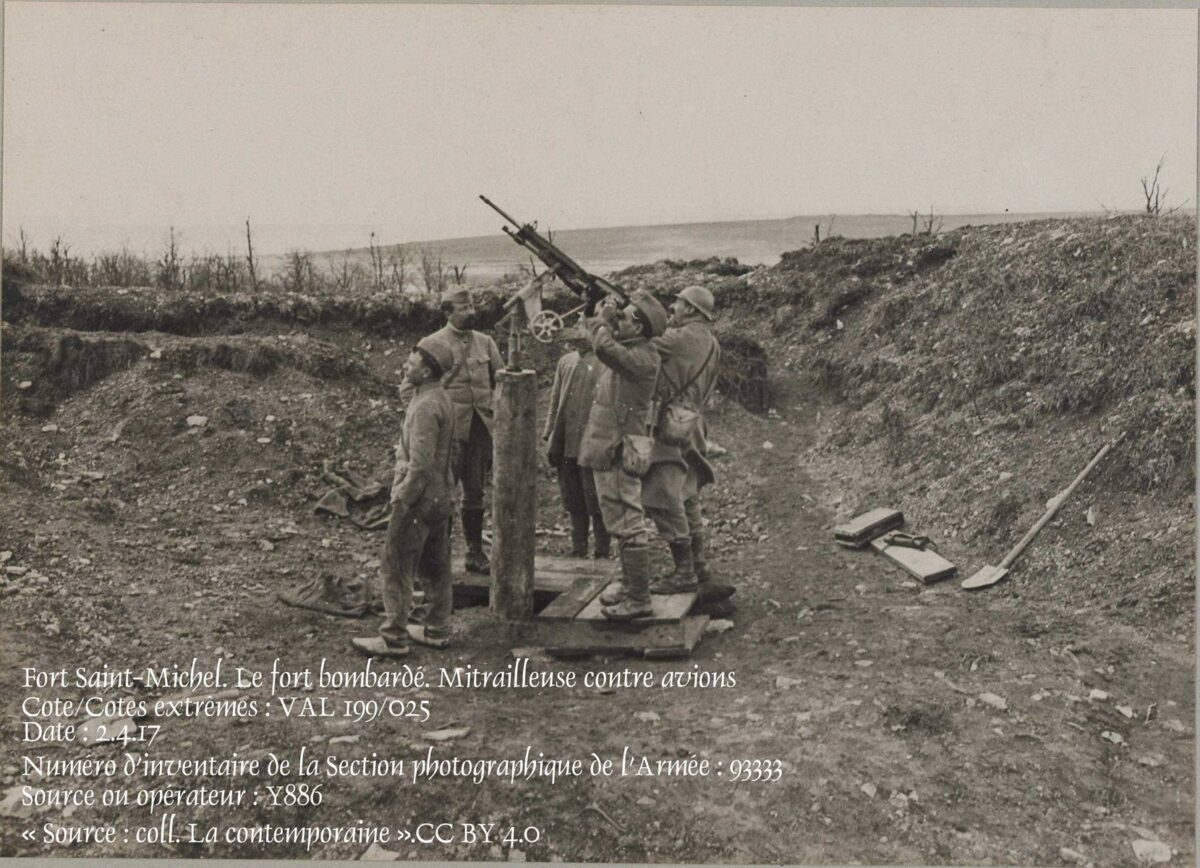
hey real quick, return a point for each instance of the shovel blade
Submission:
(985, 577)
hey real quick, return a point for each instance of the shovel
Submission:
(987, 576)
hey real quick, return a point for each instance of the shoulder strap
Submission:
(695, 376)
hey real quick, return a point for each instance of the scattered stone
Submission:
(1069, 855)
(1114, 737)
(870, 789)
(1097, 696)
(1126, 710)
(646, 716)
(49, 429)
(447, 734)
(197, 421)
(344, 739)
(1005, 476)
(718, 625)
(1151, 852)
(266, 545)
(997, 702)
(5, 557)
(156, 354)
(785, 683)
(646, 802)
(768, 445)
(1090, 518)
(263, 440)
(515, 855)
(1152, 759)
(25, 384)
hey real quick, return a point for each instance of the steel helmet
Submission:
(652, 310)
(440, 351)
(701, 299)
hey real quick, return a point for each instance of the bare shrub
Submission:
(433, 270)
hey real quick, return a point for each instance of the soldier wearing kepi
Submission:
(571, 399)
(422, 503)
(690, 361)
(469, 382)
(624, 398)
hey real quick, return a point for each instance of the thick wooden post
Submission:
(514, 494)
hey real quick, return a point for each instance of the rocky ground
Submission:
(1043, 722)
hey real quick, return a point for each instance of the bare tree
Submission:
(915, 216)
(169, 271)
(433, 271)
(932, 224)
(24, 244)
(460, 274)
(60, 260)
(250, 257)
(376, 264)
(399, 260)
(1153, 191)
(299, 271)
(340, 272)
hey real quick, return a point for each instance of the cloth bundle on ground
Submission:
(364, 502)
(335, 595)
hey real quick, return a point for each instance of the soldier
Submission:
(469, 382)
(422, 503)
(571, 399)
(624, 397)
(690, 360)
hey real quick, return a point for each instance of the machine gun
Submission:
(592, 289)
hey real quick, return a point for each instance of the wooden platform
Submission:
(568, 618)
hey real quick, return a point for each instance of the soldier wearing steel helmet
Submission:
(422, 502)
(623, 406)
(469, 382)
(691, 357)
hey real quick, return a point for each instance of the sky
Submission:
(323, 123)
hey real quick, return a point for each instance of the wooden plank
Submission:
(928, 566)
(693, 629)
(569, 604)
(667, 608)
(557, 575)
(861, 529)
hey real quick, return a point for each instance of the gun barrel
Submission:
(498, 210)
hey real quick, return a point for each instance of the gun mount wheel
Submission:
(545, 325)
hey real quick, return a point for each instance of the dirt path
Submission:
(911, 724)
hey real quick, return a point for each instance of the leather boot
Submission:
(476, 560)
(603, 550)
(683, 580)
(635, 570)
(709, 590)
(579, 535)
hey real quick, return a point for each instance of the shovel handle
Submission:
(1054, 507)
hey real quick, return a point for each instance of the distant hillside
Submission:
(603, 251)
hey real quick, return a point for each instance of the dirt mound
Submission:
(57, 363)
(972, 375)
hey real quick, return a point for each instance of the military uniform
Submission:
(469, 383)
(689, 354)
(624, 397)
(422, 503)
(571, 397)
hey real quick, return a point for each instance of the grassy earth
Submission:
(1039, 723)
